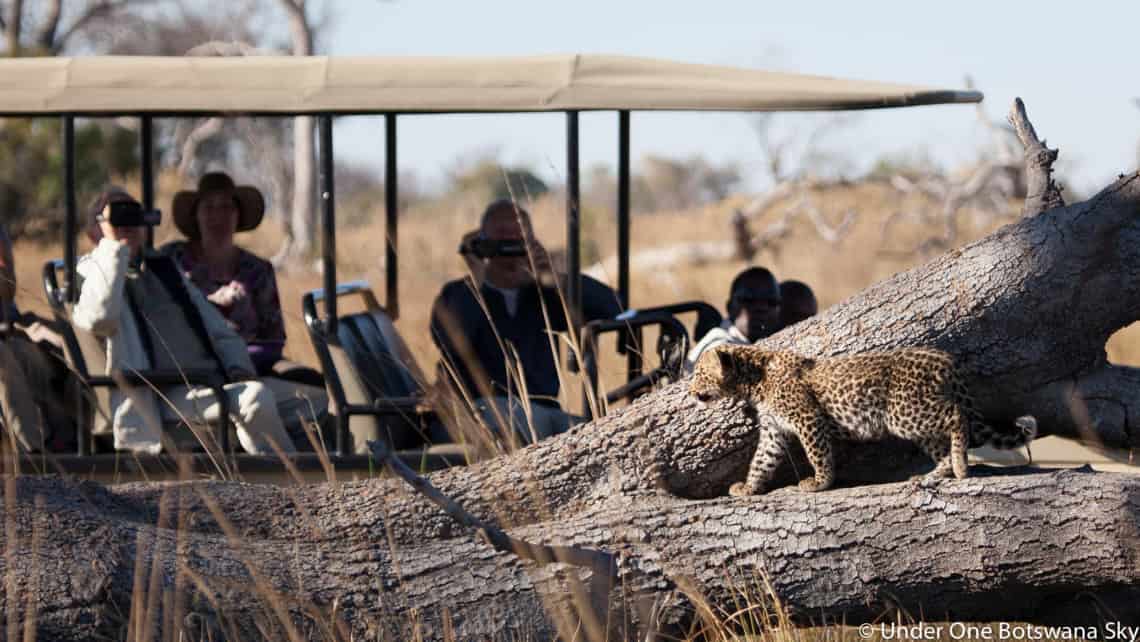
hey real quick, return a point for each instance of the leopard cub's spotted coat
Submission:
(913, 393)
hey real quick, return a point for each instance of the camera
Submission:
(130, 214)
(488, 248)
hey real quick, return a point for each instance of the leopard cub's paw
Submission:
(739, 489)
(809, 485)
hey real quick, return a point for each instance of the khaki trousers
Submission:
(299, 405)
(253, 411)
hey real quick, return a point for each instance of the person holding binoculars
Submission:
(146, 316)
(494, 328)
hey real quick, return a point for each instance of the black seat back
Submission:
(366, 364)
(85, 356)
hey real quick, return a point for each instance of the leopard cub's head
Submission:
(726, 371)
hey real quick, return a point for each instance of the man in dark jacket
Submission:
(495, 331)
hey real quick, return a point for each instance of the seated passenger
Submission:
(753, 313)
(34, 375)
(242, 286)
(797, 303)
(21, 371)
(146, 316)
(489, 330)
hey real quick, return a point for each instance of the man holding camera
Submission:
(495, 328)
(145, 316)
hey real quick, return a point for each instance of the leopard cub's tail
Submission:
(1023, 431)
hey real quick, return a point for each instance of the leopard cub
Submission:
(913, 393)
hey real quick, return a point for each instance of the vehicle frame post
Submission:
(146, 165)
(391, 219)
(328, 221)
(573, 224)
(623, 209)
(71, 208)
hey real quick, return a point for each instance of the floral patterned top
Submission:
(249, 301)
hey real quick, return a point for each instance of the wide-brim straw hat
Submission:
(250, 202)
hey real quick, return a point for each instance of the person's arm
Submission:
(7, 269)
(450, 332)
(268, 344)
(229, 345)
(599, 301)
(102, 279)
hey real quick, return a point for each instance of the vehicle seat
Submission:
(372, 376)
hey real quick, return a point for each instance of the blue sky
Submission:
(1071, 63)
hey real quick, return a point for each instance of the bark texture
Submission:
(87, 561)
(1027, 310)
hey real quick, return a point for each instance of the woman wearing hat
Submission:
(240, 284)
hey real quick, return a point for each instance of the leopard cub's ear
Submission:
(727, 360)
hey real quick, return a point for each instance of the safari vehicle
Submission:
(369, 373)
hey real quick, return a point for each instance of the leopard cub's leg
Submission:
(947, 446)
(769, 452)
(816, 437)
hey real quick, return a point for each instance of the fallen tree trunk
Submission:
(1027, 310)
(1050, 548)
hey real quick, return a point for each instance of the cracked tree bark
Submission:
(1027, 310)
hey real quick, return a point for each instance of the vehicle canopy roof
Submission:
(361, 85)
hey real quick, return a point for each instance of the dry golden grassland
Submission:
(429, 236)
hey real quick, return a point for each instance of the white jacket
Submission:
(102, 310)
(725, 333)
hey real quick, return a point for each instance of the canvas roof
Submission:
(322, 84)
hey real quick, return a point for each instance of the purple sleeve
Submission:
(268, 341)
(264, 354)
(270, 321)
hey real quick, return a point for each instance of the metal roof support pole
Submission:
(623, 208)
(70, 223)
(573, 224)
(328, 245)
(328, 222)
(71, 208)
(574, 247)
(630, 342)
(391, 221)
(146, 163)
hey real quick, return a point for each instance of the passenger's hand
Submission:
(541, 257)
(475, 265)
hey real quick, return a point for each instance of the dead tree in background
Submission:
(998, 176)
(39, 28)
(1026, 310)
(299, 232)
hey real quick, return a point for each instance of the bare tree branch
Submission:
(203, 131)
(299, 230)
(12, 29)
(226, 48)
(1044, 193)
(95, 10)
(45, 38)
